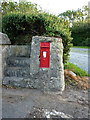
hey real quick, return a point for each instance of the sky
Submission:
(59, 6)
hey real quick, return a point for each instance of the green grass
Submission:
(88, 47)
(75, 69)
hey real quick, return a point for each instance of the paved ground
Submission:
(30, 103)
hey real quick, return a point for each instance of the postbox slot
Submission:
(44, 55)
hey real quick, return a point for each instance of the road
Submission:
(81, 58)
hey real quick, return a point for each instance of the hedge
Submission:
(21, 27)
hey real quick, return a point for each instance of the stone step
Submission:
(25, 82)
(17, 71)
(18, 61)
(16, 81)
(19, 50)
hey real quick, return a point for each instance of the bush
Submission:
(21, 27)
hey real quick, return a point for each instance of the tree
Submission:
(80, 25)
(68, 15)
(75, 15)
(22, 7)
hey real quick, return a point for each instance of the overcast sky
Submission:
(59, 6)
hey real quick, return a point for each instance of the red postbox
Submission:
(44, 54)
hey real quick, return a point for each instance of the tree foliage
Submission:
(80, 25)
(81, 34)
(75, 15)
(21, 7)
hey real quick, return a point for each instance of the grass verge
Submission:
(75, 69)
(88, 47)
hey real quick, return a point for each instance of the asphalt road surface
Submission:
(81, 58)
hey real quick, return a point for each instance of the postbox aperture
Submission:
(44, 54)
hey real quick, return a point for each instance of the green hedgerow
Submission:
(20, 27)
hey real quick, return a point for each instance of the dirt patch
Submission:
(77, 81)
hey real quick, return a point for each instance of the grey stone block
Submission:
(19, 50)
(18, 61)
(4, 40)
(17, 71)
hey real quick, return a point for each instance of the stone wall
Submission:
(20, 65)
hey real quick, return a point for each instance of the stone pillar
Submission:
(4, 42)
(52, 78)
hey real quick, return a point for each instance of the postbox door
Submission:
(45, 56)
